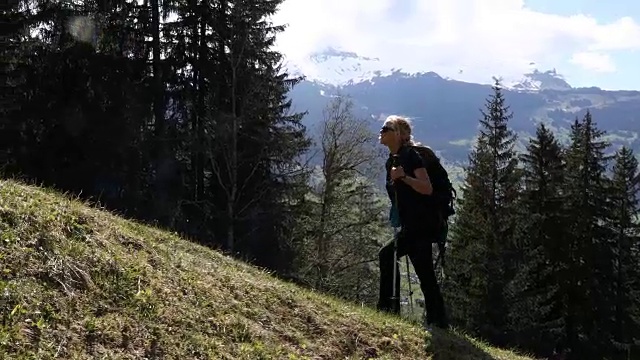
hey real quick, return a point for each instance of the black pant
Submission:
(418, 247)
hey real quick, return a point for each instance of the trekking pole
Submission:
(395, 303)
(395, 254)
(409, 282)
(394, 297)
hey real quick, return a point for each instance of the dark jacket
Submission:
(414, 208)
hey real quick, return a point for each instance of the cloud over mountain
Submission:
(470, 40)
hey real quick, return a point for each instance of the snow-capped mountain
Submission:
(446, 110)
(339, 68)
(537, 80)
(336, 67)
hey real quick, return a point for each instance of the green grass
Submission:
(78, 283)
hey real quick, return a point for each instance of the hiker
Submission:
(407, 177)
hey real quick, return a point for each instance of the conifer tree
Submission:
(481, 259)
(185, 123)
(9, 83)
(625, 206)
(536, 319)
(587, 274)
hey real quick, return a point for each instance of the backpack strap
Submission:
(427, 154)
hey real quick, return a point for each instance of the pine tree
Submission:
(482, 256)
(625, 206)
(255, 137)
(9, 83)
(587, 274)
(183, 123)
(536, 318)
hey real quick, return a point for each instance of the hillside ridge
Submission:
(80, 282)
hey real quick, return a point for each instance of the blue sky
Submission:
(627, 72)
(590, 42)
(602, 10)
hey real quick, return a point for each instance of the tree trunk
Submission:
(202, 57)
(233, 168)
(161, 152)
(321, 238)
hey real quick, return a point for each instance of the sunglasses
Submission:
(386, 129)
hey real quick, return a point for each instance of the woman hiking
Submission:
(409, 188)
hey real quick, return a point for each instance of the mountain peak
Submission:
(538, 80)
(338, 67)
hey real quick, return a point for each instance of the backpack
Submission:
(443, 196)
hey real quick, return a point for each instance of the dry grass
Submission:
(80, 283)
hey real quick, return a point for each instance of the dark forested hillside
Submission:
(176, 113)
(172, 112)
(445, 111)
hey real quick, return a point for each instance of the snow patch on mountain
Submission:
(537, 81)
(337, 67)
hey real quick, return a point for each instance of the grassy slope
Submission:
(80, 283)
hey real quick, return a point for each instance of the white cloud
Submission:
(483, 38)
(594, 61)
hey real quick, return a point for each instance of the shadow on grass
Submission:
(449, 345)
